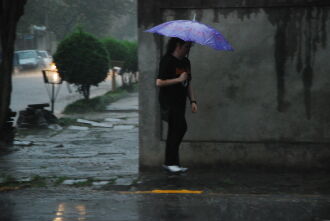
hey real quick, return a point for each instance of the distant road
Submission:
(29, 88)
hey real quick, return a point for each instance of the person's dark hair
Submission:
(172, 43)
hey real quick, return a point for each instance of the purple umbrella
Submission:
(193, 31)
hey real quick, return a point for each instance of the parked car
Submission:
(46, 58)
(27, 59)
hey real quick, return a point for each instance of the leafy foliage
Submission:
(131, 62)
(125, 51)
(82, 60)
(116, 49)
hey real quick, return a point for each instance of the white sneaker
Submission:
(172, 168)
(175, 168)
(183, 169)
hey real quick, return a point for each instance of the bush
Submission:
(125, 51)
(81, 59)
(116, 49)
(131, 62)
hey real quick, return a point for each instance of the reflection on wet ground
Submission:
(78, 204)
(68, 210)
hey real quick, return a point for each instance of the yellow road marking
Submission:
(166, 191)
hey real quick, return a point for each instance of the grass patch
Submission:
(96, 104)
(10, 183)
(228, 181)
(66, 121)
(132, 88)
(38, 181)
(135, 182)
(60, 180)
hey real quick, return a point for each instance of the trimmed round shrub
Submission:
(81, 59)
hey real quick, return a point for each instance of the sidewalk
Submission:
(101, 152)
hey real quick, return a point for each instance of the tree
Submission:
(98, 16)
(116, 49)
(131, 62)
(10, 13)
(125, 51)
(81, 59)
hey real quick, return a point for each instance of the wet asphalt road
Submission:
(85, 205)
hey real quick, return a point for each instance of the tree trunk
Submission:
(85, 90)
(113, 80)
(10, 12)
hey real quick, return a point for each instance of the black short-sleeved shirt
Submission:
(173, 96)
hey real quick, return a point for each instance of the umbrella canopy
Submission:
(194, 32)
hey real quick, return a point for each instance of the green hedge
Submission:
(125, 51)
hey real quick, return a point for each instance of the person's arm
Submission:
(192, 99)
(168, 82)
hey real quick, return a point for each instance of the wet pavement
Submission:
(89, 171)
(79, 151)
(79, 204)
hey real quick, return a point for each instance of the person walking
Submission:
(173, 80)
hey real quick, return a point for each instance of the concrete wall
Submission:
(264, 104)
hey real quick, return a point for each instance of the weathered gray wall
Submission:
(266, 103)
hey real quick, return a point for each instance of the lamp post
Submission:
(52, 77)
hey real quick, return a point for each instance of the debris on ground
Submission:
(22, 143)
(77, 128)
(124, 127)
(35, 116)
(112, 119)
(71, 182)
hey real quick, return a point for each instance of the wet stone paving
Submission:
(101, 147)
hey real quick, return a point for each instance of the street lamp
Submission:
(52, 77)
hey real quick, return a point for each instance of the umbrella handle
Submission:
(189, 50)
(188, 54)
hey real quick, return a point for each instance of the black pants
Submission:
(177, 127)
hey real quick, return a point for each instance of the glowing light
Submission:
(53, 67)
(80, 209)
(55, 77)
(82, 212)
(60, 212)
